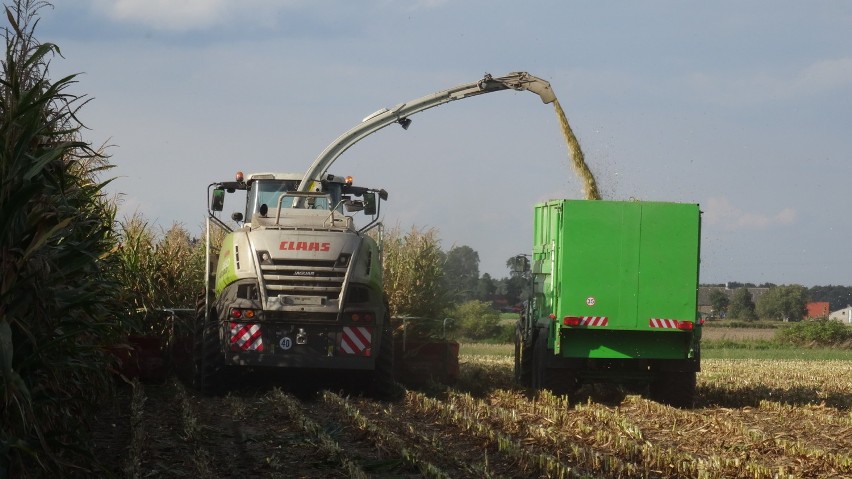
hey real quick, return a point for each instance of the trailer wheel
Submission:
(557, 380)
(676, 388)
(383, 384)
(523, 359)
(539, 377)
(208, 358)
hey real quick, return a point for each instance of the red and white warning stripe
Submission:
(246, 337)
(577, 321)
(356, 340)
(594, 321)
(670, 324)
(663, 323)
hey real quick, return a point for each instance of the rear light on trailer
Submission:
(236, 313)
(685, 325)
(571, 321)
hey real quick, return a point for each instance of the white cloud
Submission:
(187, 15)
(823, 76)
(720, 211)
(816, 78)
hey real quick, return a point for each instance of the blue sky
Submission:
(742, 107)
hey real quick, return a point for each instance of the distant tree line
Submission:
(784, 302)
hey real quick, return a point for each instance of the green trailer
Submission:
(613, 298)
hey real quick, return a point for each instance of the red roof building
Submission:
(817, 309)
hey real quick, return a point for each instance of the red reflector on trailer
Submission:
(571, 321)
(685, 325)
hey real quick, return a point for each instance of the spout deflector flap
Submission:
(525, 81)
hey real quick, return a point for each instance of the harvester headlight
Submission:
(342, 260)
(265, 257)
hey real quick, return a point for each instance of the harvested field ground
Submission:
(738, 334)
(755, 419)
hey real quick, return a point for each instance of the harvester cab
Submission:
(270, 195)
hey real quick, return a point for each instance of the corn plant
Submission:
(413, 272)
(156, 271)
(56, 300)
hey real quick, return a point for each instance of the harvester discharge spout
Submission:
(401, 114)
(524, 81)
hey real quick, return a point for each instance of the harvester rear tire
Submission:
(676, 389)
(208, 358)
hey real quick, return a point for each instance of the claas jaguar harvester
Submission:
(613, 298)
(296, 284)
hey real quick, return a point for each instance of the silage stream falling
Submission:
(578, 161)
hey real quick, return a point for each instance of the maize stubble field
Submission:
(753, 419)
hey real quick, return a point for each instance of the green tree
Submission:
(742, 305)
(461, 272)
(476, 320)
(486, 288)
(719, 301)
(518, 265)
(786, 303)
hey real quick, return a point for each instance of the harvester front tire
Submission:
(384, 387)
